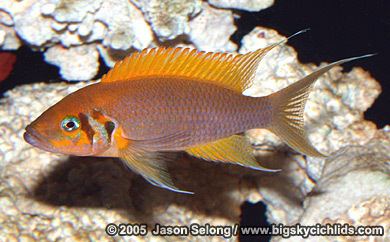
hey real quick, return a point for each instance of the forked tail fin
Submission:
(288, 105)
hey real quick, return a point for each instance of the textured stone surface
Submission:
(48, 22)
(211, 30)
(53, 25)
(8, 38)
(169, 19)
(60, 24)
(48, 196)
(353, 189)
(85, 55)
(249, 5)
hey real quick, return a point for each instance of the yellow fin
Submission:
(234, 149)
(288, 106)
(151, 165)
(231, 71)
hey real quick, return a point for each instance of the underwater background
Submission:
(54, 197)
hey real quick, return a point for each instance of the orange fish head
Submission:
(71, 133)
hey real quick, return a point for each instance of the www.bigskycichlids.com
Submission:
(228, 231)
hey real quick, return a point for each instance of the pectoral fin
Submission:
(234, 149)
(151, 165)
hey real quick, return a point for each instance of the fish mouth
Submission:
(32, 137)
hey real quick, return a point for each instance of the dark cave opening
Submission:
(30, 67)
(253, 214)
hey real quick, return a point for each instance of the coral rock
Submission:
(64, 23)
(70, 11)
(211, 30)
(76, 63)
(8, 38)
(357, 180)
(169, 19)
(127, 29)
(249, 5)
(46, 196)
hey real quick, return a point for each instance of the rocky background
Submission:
(53, 197)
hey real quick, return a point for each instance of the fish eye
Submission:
(70, 123)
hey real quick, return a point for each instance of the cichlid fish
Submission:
(174, 99)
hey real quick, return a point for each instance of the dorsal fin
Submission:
(232, 71)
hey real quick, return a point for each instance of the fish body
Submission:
(151, 108)
(164, 100)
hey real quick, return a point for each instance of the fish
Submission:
(160, 101)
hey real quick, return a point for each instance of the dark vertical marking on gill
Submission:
(110, 127)
(86, 127)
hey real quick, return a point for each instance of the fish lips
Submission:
(32, 137)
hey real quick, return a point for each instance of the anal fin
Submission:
(234, 149)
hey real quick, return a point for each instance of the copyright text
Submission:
(228, 231)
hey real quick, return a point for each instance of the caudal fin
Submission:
(288, 106)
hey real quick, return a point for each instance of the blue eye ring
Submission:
(70, 123)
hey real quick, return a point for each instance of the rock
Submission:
(29, 23)
(6, 19)
(111, 56)
(248, 5)
(64, 11)
(127, 29)
(356, 178)
(50, 25)
(169, 19)
(211, 30)
(84, 65)
(64, 24)
(8, 37)
(46, 196)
